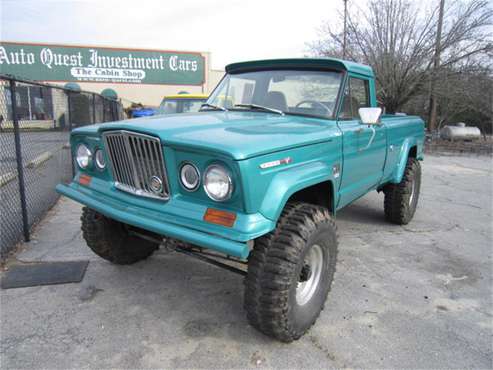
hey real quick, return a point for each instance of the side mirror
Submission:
(370, 116)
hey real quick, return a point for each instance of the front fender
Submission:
(402, 160)
(286, 183)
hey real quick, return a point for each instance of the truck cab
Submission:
(256, 175)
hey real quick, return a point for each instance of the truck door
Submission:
(364, 148)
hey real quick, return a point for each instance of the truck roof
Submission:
(316, 63)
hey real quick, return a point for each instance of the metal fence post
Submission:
(93, 108)
(69, 106)
(113, 115)
(18, 157)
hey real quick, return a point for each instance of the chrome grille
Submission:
(135, 160)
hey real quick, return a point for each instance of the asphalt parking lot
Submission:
(33, 144)
(46, 161)
(418, 296)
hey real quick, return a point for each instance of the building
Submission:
(135, 75)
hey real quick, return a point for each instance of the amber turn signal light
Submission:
(216, 216)
(85, 180)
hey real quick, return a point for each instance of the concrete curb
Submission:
(39, 160)
(7, 177)
(32, 164)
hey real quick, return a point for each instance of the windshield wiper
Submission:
(213, 106)
(255, 106)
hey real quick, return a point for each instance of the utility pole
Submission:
(432, 123)
(344, 40)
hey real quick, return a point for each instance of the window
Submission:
(8, 97)
(238, 91)
(180, 105)
(303, 92)
(169, 106)
(191, 105)
(356, 95)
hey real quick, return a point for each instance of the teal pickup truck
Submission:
(253, 181)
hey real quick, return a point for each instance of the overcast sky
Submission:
(233, 30)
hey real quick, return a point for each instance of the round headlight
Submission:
(99, 159)
(217, 183)
(84, 156)
(189, 176)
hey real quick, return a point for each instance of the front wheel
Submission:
(113, 240)
(290, 272)
(401, 200)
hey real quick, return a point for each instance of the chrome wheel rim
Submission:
(310, 275)
(411, 196)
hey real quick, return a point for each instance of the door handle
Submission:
(359, 130)
(373, 133)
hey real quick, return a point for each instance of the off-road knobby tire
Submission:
(397, 207)
(274, 268)
(110, 239)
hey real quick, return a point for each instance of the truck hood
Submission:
(240, 135)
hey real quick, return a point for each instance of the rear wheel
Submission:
(290, 272)
(401, 200)
(113, 240)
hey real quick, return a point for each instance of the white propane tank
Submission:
(460, 132)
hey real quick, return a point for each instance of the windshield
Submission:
(311, 93)
(180, 105)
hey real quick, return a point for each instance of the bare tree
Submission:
(398, 40)
(468, 89)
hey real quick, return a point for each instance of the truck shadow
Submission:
(201, 301)
(362, 212)
(191, 298)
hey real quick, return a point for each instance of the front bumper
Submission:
(176, 218)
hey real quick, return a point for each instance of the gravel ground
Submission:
(418, 296)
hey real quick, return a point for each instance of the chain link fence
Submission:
(35, 124)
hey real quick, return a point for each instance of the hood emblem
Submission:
(156, 184)
(276, 163)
